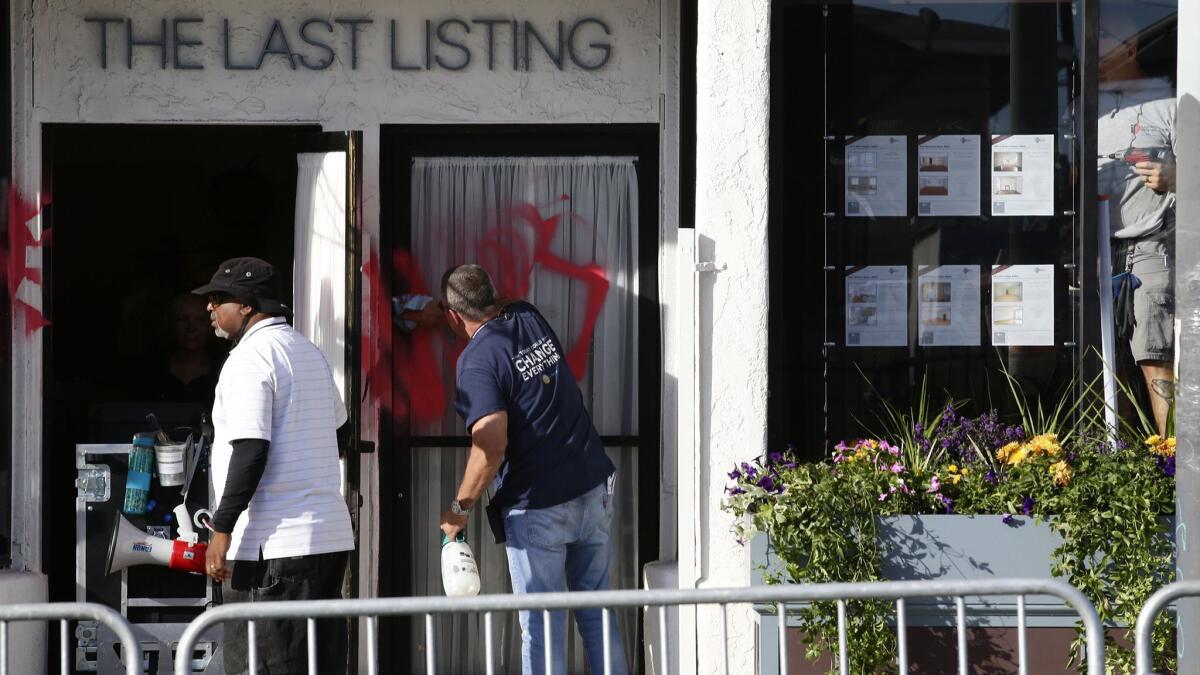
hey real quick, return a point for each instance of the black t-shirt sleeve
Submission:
(246, 467)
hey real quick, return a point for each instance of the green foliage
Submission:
(1108, 498)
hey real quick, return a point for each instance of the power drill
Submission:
(1131, 156)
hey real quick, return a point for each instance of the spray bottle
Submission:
(460, 574)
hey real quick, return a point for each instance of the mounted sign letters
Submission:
(315, 43)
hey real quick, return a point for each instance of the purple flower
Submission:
(991, 477)
(735, 474)
(1007, 519)
(883, 496)
(735, 491)
(918, 429)
(766, 482)
(948, 415)
(934, 484)
(841, 446)
(775, 458)
(1167, 464)
(750, 471)
(947, 502)
(1027, 505)
(897, 468)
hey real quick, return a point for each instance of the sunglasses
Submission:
(218, 300)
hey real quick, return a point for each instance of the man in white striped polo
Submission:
(281, 530)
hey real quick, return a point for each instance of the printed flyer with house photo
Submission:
(948, 175)
(877, 306)
(876, 176)
(1023, 175)
(948, 300)
(1022, 305)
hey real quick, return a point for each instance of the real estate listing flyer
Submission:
(1023, 175)
(876, 176)
(948, 305)
(1022, 305)
(948, 175)
(877, 306)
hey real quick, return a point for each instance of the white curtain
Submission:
(319, 267)
(560, 232)
(319, 271)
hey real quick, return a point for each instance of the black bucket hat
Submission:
(250, 280)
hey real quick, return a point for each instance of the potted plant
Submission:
(1104, 493)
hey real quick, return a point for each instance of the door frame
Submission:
(399, 144)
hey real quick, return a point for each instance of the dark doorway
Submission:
(139, 216)
(426, 441)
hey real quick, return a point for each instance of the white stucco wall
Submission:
(731, 227)
(26, 639)
(71, 85)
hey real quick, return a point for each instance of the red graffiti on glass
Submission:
(511, 251)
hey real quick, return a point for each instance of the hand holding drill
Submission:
(1155, 166)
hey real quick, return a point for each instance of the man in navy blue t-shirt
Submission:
(532, 436)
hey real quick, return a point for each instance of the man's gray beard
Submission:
(222, 333)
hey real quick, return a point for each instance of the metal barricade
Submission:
(606, 601)
(1143, 644)
(66, 612)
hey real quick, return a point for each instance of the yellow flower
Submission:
(954, 478)
(1004, 453)
(1153, 440)
(1018, 455)
(1164, 447)
(966, 471)
(1061, 472)
(953, 468)
(1046, 444)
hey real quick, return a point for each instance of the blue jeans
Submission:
(559, 548)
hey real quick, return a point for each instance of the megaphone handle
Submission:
(218, 597)
(203, 518)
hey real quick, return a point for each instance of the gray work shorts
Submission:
(1153, 261)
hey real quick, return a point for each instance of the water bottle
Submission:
(460, 574)
(137, 481)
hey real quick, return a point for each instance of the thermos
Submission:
(137, 481)
(460, 574)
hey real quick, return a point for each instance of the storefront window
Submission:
(1135, 142)
(931, 152)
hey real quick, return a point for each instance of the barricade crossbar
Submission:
(65, 612)
(778, 596)
(1143, 642)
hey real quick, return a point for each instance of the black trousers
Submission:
(283, 645)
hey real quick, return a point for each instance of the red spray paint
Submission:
(509, 255)
(15, 254)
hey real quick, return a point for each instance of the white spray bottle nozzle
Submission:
(184, 523)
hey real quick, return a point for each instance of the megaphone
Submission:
(130, 546)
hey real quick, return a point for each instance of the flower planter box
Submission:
(949, 547)
(960, 547)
